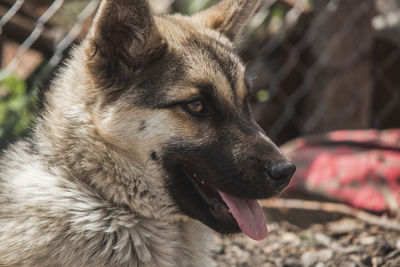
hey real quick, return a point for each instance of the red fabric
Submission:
(361, 168)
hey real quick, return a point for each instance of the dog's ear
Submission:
(123, 37)
(228, 16)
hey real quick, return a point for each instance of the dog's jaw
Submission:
(200, 201)
(246, 212)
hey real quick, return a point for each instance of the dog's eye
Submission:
(196, 107)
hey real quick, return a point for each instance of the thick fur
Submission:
(95, 184)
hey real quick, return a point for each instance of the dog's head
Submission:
(172, 92)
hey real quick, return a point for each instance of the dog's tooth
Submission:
(222, 209)
(194, 175)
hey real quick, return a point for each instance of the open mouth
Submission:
(246, 213)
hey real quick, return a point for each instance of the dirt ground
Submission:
(329, 241)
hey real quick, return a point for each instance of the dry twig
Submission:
(381, 221)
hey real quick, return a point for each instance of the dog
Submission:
(144, 144)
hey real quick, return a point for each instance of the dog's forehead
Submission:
(206, 55)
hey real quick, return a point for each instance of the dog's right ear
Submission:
(123, 38)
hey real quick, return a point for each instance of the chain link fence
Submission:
(316, 66)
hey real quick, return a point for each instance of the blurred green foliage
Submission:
(192, 6)
(66, 16)
(15, 108)
(262, 95)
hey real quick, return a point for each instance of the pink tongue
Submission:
(248, 214)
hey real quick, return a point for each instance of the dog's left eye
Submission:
(196, 107)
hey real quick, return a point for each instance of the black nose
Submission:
(281, 172)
